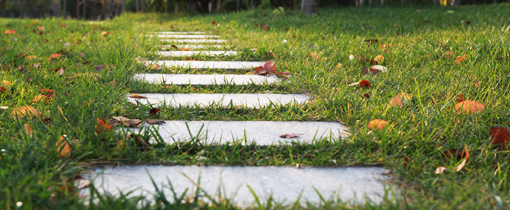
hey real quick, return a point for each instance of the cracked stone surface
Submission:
(247, 132)
(191, 53)
(191, 46)
(284, 184)
(218, 99)
(206, 79)
(210, 64)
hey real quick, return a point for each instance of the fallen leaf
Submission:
(25, 111)
(134, 95)
(460, 59)
(264, 27)
(366, 96)
(102, 126)
(81, 183)
(460, 98)
(6, 84)
(113, 82)
(155, 67)
(378, 68)
(377, 124)
(477, 84)
(63, 147)
(153, 111)
(140, 144)
(30, 57)
(155, 121)
(114, 121)
(28, 130)
(440, 170)
(469, 107)
(9, 32)
(314, 55)
(40, 98)
(463, 163)
(267, 69)
(121, 145)
(365, 84)
(400, 100)
(213, 23)
(371, 41)
(290, 135)
(104, 33)
(384, 46)
(379, 59)
(500, 136)
(54, 56)
(338, 66)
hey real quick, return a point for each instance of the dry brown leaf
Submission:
(460, 59)
(463, 163)
(500, 136)
(155, 67)
(31, 57)
(134, 95)
(155, 121)
(470, 107)
(5, 84)
(400, 100)
(63, 146)
(40, 98)
(477, 84)
(377, 124)
(28, 130)
(121, 145)
(379, 59)
(314, 55)
(290, 135)
(440, 169)
(25, 111)
(338, 66)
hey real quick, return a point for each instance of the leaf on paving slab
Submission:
(25, 111)
(134, 95)
(290, 135)
(267, 69)
(174, 46)
(155, 121)
(63, 147)
(81, 183)
(500, 136)
(114, 121)
(469, 107)
(281, 74)
(400, 100)
(377, 124)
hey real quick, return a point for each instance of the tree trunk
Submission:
(65, 9)
(176, 7)
(495, 1)
(219, 5)
(123, 6)
(20, 10)
(308, 7)
(436, 2)
(78, 9)
(456, 3)
(103, 14)
(238, 4)
(143, 5)
(382, 2)
(84, 9)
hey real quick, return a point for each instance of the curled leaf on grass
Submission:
(40, 98)
(460, 59)
(153, 111)
(365, 84)
(400, 100)
(290, 135)
(25, 111)
(54, 56)
(154, 67)
(213, 23)
(477, 84)
(28, 130)
(378, 69)
(63, 147)
(3, 89)
(30, 57)
(377, 124)
(155, 121)
(314, 55)
(264, 27)
(366, 95)
(464, 156)
(9, 32)
(338, 66)
(102, 126)
(134, 95)
(6, 84)
(460, 98)
(468, 107)
(379, 59)
(105, 33)
(500, 137)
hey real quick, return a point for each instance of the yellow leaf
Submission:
(400, 100)
(5, 84)
(155, 67)
(470, 107)
(134, 95)
(63, 146)
(25, 111)
(379, 59)
(28, 130)
(377, 124)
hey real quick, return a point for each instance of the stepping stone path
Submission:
(284, 184)
(186, 46)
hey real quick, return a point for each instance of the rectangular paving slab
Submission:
(223, 100)
(180, 36)
(210, 64)
(248, 132)
(192, 53)
(180, 46)
(206, 79)
(284, 184)
(194, 40)
(183, 32)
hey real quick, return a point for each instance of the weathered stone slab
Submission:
(210, 64)
(192, 53)
(194, 40)
(184, 32)
(284, 184)
(180, 46)
(180, 36)
(248, 132)
(206, 79)
(246, 100)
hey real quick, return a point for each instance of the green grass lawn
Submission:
(420, 47)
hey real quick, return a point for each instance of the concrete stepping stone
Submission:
(194, 40)
(184, 32)
(247, 132)
(284, 184)
(206, 79)
(180, 36)
(191, 46)
(223, 100)
(192, 53)
(209, 64)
